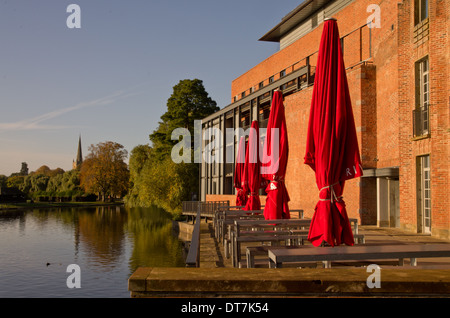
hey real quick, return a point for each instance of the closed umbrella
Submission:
(276, 153)
(332, 147)
(252, 176)
(241, 195)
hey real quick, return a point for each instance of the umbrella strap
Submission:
(333, 194)
(253, 194)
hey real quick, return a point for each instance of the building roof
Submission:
(294, 18)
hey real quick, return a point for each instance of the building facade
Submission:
(398, 73)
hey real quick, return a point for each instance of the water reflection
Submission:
(108, 243)
(102, 232)
(154, 244)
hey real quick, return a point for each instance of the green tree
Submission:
(3, 180)
(15, 181)
(188, 102)
(155, 179)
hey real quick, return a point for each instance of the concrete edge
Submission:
(287, 282)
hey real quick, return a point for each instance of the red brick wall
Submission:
(383, 83)
(383, 97)
(374, 95)
(437, 146)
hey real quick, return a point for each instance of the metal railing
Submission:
(193, 257)
(200, 209)
(207, 209)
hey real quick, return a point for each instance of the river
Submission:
(107, 243)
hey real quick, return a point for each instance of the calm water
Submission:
(108, 244)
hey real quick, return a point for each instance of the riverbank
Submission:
(43, 205)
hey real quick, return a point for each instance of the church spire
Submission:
(77, 163)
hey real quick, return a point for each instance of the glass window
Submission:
(421, 112)
(420, 11)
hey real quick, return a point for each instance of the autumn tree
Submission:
(104, 170)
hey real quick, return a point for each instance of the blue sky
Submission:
(110, 80)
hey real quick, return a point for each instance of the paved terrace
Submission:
(217, 278)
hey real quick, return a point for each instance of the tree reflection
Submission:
(154, 244)
(102, 233)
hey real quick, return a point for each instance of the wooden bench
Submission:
(274, 231)
(262, 250)
(228, 219)
(225, 217)
(348, 253)
(253, 251)
(219, 216)
(225, 225)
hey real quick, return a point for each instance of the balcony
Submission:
(421, 122)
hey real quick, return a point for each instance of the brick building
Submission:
(398, 69)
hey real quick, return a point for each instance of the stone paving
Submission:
(211, 251)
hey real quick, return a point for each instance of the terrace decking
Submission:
(216, 276)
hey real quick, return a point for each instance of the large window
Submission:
(421, 112)
(423, 194)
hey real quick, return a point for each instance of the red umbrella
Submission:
(332, 147)
(252, 176)
(241, 196)
(276, 152)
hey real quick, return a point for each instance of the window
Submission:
(261, 85)
(264, 112)
(271, 79)
(243, 95)
(245, 120)
(282, 73)
(214, 187)
(420, 11)
(421, 112)
(423, 194)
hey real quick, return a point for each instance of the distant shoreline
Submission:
(43, 205)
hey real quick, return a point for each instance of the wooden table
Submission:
(346, 253)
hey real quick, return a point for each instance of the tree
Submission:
(43, 170)
(3, 180)
(155, 179)
(46, 171)
(188, 102)
(15, 181)
(104, 170)
(24, 169)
